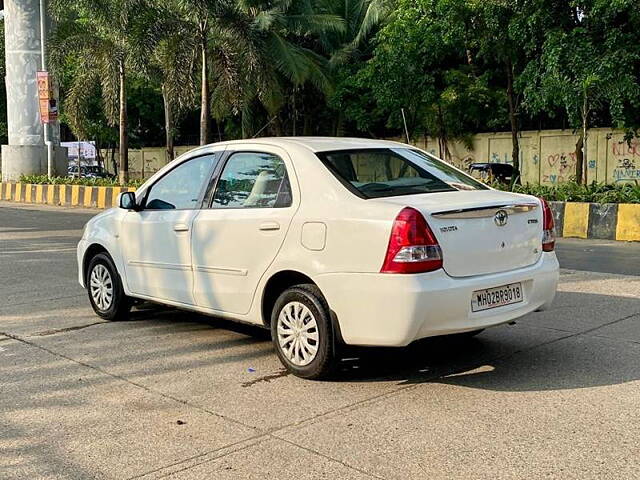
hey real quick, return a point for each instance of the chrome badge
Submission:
(501, 218)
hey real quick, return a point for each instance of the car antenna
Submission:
(264, 126)
(406, 130)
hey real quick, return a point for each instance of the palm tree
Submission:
(361, 18)
(106, 39)
(213, 24)
(278, 57)
(173, 66)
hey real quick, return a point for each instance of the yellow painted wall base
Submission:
(628, 226)
(576, 220)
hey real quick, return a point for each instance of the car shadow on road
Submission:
(562, 348)
(559, 349)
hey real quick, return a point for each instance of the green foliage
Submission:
(588, 62)
(88, 182)
(421, 64)
(327, 67)
(3, 93)
(572, 192)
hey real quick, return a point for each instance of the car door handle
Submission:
(267, 226)
(180, 227)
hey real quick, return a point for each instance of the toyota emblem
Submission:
(501, 218)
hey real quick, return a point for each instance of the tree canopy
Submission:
(153, 72)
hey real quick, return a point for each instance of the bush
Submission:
(572, 192)
(88, 182)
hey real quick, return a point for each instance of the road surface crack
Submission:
(46, 333)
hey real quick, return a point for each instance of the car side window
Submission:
(182, 186)
(253, 180)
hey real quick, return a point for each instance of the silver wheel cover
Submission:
(101, 287)
(297, 334)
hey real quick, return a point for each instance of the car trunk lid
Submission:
(481, 232)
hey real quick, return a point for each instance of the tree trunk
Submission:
(339, 124)
(515, 153)
(124, 141)
(579, 159)
(585, 119)
(99, 158)
(204, 96)
(168, 124)
(114, 164)
(581, 145)
(443, 147)
(306, 126)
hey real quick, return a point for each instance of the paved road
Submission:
(181, 396)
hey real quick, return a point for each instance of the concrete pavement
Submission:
(177, 395)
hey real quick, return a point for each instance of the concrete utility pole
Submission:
(43, 64)
(26, 153)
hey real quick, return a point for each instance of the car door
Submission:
(235, 240)
(156, 240)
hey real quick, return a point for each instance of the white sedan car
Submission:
(326, 241)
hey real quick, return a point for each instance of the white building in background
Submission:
(85, 152)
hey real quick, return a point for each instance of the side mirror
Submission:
(128, 201)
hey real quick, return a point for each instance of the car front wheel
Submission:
(105, 289)
(302, 332)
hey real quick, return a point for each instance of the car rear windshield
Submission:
(388, 172)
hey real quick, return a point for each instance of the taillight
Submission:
(412, 246)
(548, 231)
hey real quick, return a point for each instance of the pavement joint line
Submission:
(124, 379)
(46, 333)
(41, 300)
(232, 448)
(623, 340)
(9, 253)
(541, 327)
(555, 340)
(348, 408)
(311, 450)
(216, 454)
(593, 329)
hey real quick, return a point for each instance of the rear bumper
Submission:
(394, 310)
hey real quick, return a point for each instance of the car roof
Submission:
(320, 144)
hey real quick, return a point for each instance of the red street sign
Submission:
(47, 101)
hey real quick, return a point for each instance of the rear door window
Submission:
(253, 180)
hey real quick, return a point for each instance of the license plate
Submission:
(496, 297)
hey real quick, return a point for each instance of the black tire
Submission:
(325, 361)
(120, 305)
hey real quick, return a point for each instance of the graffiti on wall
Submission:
(504, 157)
(626, 157)
(560, 167)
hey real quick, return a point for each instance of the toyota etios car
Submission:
(326, 241)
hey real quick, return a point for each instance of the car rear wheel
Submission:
(302, 332)
(105, 289)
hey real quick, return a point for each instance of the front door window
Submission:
(181, 188)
